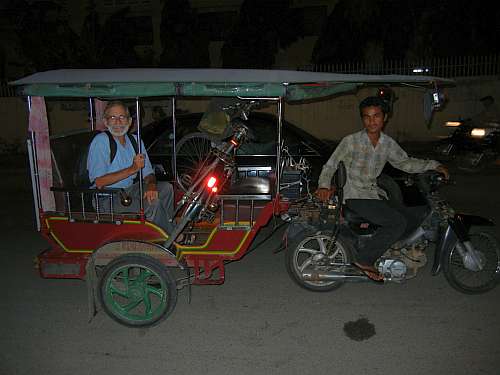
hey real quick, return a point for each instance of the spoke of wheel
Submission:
(309, 251)
(199, 148)
(156, 291)
(322, 246)
(334, 255)
(147, 304)
(132, 304)
(126, 279)
(204, 146)
(122, 293)
(304, 265)
(145, 273)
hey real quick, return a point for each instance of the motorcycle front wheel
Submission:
(463, 274)
(308, 252)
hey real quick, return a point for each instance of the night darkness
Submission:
(38, 36)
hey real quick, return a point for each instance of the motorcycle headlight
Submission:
(478, 132)
(452, 124)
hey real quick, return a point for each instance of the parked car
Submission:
(259, 152)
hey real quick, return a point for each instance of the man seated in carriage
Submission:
(121, 171)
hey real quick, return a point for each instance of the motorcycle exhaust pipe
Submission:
(332, 276)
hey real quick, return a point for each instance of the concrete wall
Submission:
(337, 117)
(328, 119)
(334, 118)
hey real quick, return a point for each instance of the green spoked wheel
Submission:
(137, 291)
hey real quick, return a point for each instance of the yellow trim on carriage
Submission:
(65, 218)
(191, 250)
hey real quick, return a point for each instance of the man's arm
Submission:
(113, 177)
(399, 159)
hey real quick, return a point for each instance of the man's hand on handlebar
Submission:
(444, 171)
(324, 194)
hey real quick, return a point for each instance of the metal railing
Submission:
(451, 67)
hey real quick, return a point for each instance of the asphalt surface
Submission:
(258, 322)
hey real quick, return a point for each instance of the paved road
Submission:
(258, 322)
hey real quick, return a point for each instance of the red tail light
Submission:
(211, 182)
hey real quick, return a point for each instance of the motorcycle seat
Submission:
(350, 216)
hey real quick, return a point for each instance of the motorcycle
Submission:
(322, 240)
(473, 146)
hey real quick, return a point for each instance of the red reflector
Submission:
(234, 142)
(211, 182)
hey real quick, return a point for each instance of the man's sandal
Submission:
(370, 272)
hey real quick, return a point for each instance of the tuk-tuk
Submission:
(132, 267)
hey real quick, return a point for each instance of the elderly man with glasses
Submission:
(122, 170)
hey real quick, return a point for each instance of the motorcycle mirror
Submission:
(433, 101)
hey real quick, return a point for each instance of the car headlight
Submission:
(478, 132)
(452, 124)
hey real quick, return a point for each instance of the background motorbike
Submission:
(473, 146)
(322, 245)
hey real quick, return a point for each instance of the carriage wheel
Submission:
(137, 291)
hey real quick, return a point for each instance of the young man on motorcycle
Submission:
(364, 154)
(121, 171)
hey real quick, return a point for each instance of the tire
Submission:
(469, 281)
(137, 291)
(191, 151)
(301, 250)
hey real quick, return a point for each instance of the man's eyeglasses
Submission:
(121, 118)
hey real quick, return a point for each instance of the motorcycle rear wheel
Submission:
(307, 251)
(469, 281)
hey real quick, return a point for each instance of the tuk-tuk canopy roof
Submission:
(288, 84)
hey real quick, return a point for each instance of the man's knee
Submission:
(165, 189)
